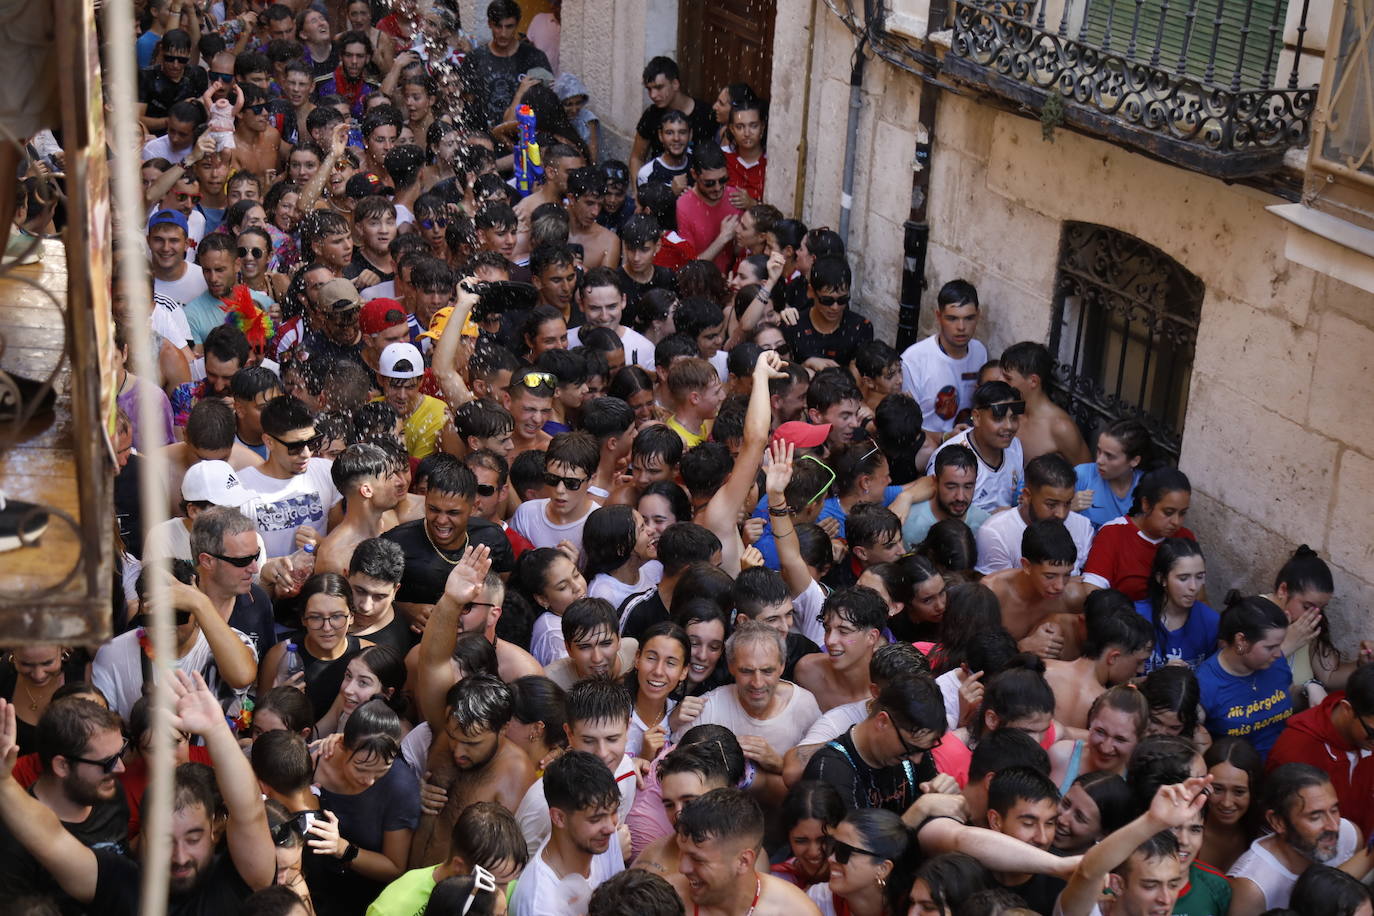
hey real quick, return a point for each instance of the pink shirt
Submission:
(700, 224)
(544, 33)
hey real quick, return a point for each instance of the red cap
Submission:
(802, 435)
(380, 314)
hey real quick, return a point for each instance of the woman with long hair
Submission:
(1095, 805)
(377, 671)
(1237, 778)
(1173, 695)
(323, 642)
(1303, 588)
(870, 867)
(811, 810)
(654, 684)
(1106, 485)
(1246, 684)
(1116, 723)
(621, 554)
(1123, 553)
(1185, 627)
(536, 724)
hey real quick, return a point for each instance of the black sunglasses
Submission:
(259, 108)
(1000, 411)
(434, 223)
(485, 489)
(243, 562)
(176, 58)
(106, 764)
(832, 300)
(295, 448)
(572, 483)
(250, 252)
(182, 618)
(842, 851)
(712, 182)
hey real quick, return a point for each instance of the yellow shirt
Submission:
(690, 439)
(423, 425)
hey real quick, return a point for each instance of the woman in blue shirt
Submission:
(1105, 486)
(1245, 685)
(1185, 628)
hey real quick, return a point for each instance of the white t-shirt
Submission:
(835, 722)
(607, 586)
(806, 613)
(191, 285)
(540, 892)
(161, 148)
(1276, 882)
(303, 499)
(719, 361)
(823, 897)
(118, 673)
(996, 486)
(949, 684)
(634, 740)
(942, 385)
(999, 540)
(169, 317)
(533, 812)
(415, 750)
(385, 290)
(639, 350)
(546, 639)
(782, 732)
(532, 520)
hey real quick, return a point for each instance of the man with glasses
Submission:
(400, 371)
(294, 486)
(997, 410)
(1340, 729)
(334, 330)
(705, 216)
(569, 464)
(76, 739)
(829, 333)
(884, 761)
(257, 144)
(217, 256)
(171, 81)
(221, 532)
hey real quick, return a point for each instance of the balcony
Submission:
(1209, 85)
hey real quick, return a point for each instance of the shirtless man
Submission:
(1046, 427)
(854, 620)
(559, 160)
(209, 437)
(366, 477)
(600, 246)
(1118, 641)
(257, 144)
(684, 774)
(1042, 603)
(718, 836)
(531, 404)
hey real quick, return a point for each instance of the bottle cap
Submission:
(309, 548)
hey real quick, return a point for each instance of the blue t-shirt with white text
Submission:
(1253, 708)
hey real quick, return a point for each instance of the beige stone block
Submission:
(1348, 612)
(1349, 542)
(1241, 553)
(1256, 461)
(1332, 295)
(1318, 25)
(826, 166)
(1219, 232)
(1250, 350)
(1343, 382)
(896, 95)
(1309, 68)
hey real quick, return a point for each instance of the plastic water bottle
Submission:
(291, 664)
(303, 564)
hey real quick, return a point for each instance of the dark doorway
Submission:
(725, 41)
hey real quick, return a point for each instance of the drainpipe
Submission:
(851, 136)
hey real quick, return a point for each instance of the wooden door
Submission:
(725, 41)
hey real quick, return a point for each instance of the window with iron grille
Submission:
(1342, 151)
(1125, 325)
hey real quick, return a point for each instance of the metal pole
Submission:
(851, 137)
(133, 271)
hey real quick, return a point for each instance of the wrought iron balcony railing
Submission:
(1194, 82)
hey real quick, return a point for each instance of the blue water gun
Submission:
(529, 164)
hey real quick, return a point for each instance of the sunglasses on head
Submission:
(1000, 411)
(439, 223)
(712, 182)
(404, 384)
(842, 851)
(296, 447)
(240, 562)
(833, 300)
(250, 252)
(572, 483)
(536, 380)
(106, 764)
(825, 467)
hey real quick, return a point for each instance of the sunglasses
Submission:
(176, 59)
(106, 764)
(181, 197)
(536, 380)
(482, 880)
(842, 851)
(217, 77)
(572, 483)
(182, 618)
(712, 182)
(434, 223)
(241, 562)
(485, 489)
(1000, 411)
(832, 300)
(250, 253)
(825, 486)
(258, 108)
(294, 448)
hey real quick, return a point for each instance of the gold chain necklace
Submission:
(442, 555)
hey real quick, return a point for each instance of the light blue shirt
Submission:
(920, 520)
(204, 314)
(1106, 506)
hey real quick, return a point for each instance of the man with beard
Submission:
(202, 881)
(956, 476)
(218, 260)
(719, 835)
(705, 216)
(582, 850)
(226, 352)
(1301, 809)
(1049, 491)
(997, 410)
(349, 80)
(88, 800)
(370, 486)
(469, 759)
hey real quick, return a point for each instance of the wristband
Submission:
(597, 491)
(763, 294)
(779, 513)
(350, 853)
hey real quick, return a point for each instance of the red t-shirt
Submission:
(675, 252)
(699, 223)
(748, 178)
(1122, 556)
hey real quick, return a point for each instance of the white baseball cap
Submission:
(214, 482)
(401, 360)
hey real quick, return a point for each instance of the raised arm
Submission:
(250, 842)
(235, 661)
(36, 827)
(434, 668)
(445, 361)
(794, 570)
(310, 194)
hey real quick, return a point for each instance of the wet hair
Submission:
(283, 414)
(378, 558)
(1241, 754)
(291, 706)
(705, 467)
(474, 654)
(894, 659)
(451, 477)
(1111, 626)
(970, 609)
(1116, 805)
(913, 702)
(1048, 542)
(675, 346)
(358, 463)
(956, 292)
(373, 730)
(1157, 484)
(991, 651)
(482, 418)
(1018, 691)
(870, 524)
(565, 365)
(274, 900)
(638, 891)
(1134, 437)
(585, 616)
(830, 387)
(705, 758)
(858, 605)
(479, 703)
(1305, 571)
(1007, 747)
(952, 879)
(874, 358)
(852, 461)
(598, 700)
(488, 835)
(389, 667)
(1163, 845)
(608, 539)
(535, 698)
(658, 440)
(1157, 761)
(1174, 688)
(1325, 891)
(226, 342)
(811, 799)
(532, 569)
(1283, 783)
(722, 814)
(883, 833)
(326, 583)
(897, 424)
(1249, 617)
(575, 449)
(579, 781)
(895, 582)
(758, 588)
(1125, 699)
(1014, 784)
(831, 272)
(683, 544)
(527, 471)
(950, 546)
(678, 502)
(460, 893)
(815, 545)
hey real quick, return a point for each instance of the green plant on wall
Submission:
(1051, 115)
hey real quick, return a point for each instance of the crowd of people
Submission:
(567, 543)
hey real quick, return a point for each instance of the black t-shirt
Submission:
(106, 828)
(360, 263)
(839, 345)
(904, 629)
(159, 93)
(73, 670)
(319, 347)
(493, 80)
(862, 786)
(220, 892)
(659, 172)
(643, 613)
(662, 279)
(323, 676)
(798, 647)
(128, 506)
(1040, 892)
(427, 570)
(702, 121)
(396, 634)
(252, 616)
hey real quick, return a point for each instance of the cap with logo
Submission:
(802, 435)
(366, 184)
(339, 296)
(401, 360)
(380, 314)
(214, 482)
(440, 321)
